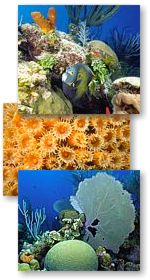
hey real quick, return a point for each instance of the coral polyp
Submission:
(33, 160)
(62, 130)
(73, 142)
(78, 139)
(81, 123)
(48, 144)
(66, 155)
(95, 142)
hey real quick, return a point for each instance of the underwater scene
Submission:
(79, 59)
(70, 213)
(72, 142)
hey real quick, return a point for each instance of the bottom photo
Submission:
(79, 220)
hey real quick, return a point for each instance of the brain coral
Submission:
(103, 199)
(71, 255)
(73, 142)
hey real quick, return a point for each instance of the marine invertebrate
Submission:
(77, 139)
(95, 141)
(33, 220)
(100, 50)
(64, 256)
(47, 61)
(83, 33)
(40, 143)
(48, 144)
(81, 123)
(24, 267)
(127, 95)
(126, 46)
(113, 214)
(32, 159)
(66, 154)
(46, 25)
(94, 15)
(62, 130)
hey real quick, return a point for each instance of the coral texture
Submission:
(64, 256)
(77, 142)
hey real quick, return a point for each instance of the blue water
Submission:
(43, 188)
(128, 16)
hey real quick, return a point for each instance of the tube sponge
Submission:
(71, 255)
(103, 199)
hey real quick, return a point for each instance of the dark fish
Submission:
(75, 81)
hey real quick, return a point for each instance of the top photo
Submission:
(78, 59)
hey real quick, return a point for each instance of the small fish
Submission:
(77, 77)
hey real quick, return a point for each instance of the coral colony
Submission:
(77, 72)
(101, 225)
(75, 142)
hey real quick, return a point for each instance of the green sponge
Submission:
(72, 255)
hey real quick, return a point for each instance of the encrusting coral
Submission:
(76, 142)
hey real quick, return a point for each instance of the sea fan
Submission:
(109, 211)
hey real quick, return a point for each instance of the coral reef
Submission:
(64, 256)
(108, 233)
(76, 142)
(46, 54)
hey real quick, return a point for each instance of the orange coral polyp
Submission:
(26, 140)
(74, 142)
(95, 142)
(78, 139)
(17, 120)
(32, 160)
(81, 123)
(48, 144)
(62, 130)
(66, 154)
(35, 126)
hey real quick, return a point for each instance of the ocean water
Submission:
(127, 17)
(43, 188)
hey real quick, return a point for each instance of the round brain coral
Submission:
(71, 255)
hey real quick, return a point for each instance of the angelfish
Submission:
(76, 80)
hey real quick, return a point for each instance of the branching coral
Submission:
(73, 142)
(33, 220)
